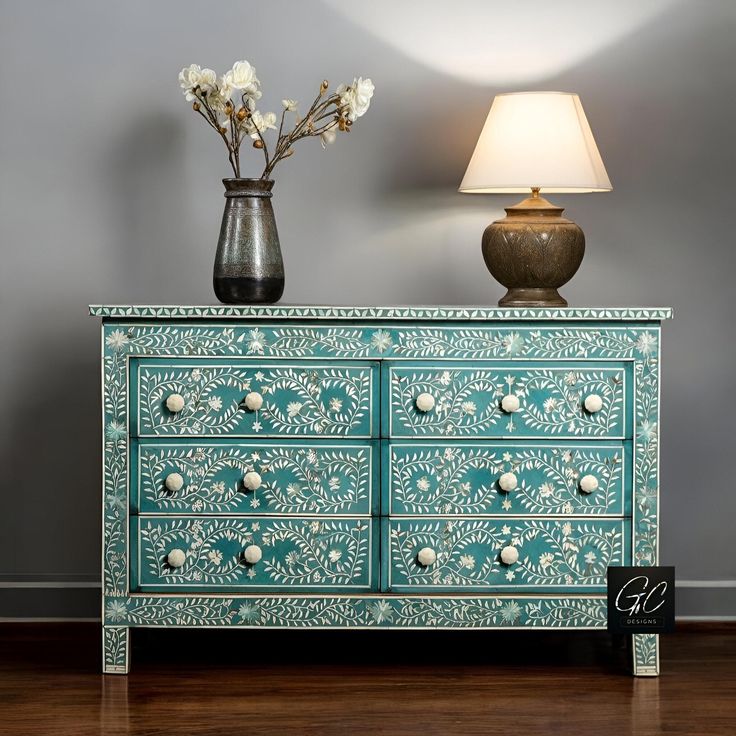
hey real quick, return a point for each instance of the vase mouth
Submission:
(248, 187)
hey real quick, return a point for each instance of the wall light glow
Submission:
(491, 42)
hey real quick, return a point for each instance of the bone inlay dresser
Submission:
(375, 467)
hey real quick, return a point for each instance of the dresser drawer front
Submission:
(464, 478)
(299, 399)
(553, 554)
(466, 400)
(305, 554)
(291, 477)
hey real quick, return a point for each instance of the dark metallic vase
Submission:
(248, 264)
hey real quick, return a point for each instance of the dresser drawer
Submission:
(504, 477)
(265, 477)
(568, 553)
(319, 555)
(213, 398)
(504, 399)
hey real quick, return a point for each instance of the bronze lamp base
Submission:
(532, 252)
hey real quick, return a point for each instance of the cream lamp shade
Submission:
(536, 140)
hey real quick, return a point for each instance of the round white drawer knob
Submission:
(593, 403)
(253, 401)
(509, 555)
(507, 482)
(252, 480)
(425, 402)
(175, 403)
(252, 554)
(174, 482)
(588, 483)
(426, 556)
(176, 558)
(510, 403)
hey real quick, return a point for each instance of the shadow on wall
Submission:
(51, 471)
(48, 471)
(150, 222)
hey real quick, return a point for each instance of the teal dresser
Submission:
(375, 467)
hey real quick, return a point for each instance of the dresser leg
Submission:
(645, 654)
(115, 650)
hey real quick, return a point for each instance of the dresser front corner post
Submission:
(645, 655)
(115, 650)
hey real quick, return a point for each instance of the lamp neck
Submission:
(535, 206)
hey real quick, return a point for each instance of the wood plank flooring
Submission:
(344, 683)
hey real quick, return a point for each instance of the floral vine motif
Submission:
(326, 553)
(368, 611)
(299, 401)
(295, 479)
(550, 552)
(469, 401)
(116, 649)
(645, 654)
(439, 342)
(636, 341)
(463, 479)
(331, 401)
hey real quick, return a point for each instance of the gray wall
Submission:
(111, 193)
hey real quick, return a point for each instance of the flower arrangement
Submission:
(229, 106)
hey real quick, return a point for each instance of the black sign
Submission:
(641, 600)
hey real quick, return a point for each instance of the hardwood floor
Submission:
(395, 683)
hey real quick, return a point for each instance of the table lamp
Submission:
(535, 142)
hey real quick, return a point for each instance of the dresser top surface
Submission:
(424, 313)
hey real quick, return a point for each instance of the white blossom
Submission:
(117, 339)
(546, 490)
(215, 556)
(550, 404)
(189, 78)
(207, 81)
(467, 561)
(327, 137)
(356, 98)
(221, 95)
(243, 77)
(289, 105)
(260, 122)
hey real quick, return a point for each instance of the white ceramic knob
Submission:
(426, 556)
(510, 403)
(253, 401)
(593, 403)
(425, 402)
(588, 483)
(509, 555)
(252, 554)
(507, 482)
(175, 403)
(252, 480)
(174, 482)
(176, 558)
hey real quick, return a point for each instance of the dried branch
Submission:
(327, 112)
